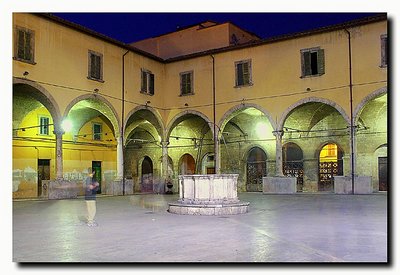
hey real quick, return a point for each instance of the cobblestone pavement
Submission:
(137, 228)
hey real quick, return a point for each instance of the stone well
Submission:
(208, 195)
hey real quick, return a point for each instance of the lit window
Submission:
(243, 73)
(95, 66)
(312, 62)
(147, 82)
(24, 45)
(186, 83)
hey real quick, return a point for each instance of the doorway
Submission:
(147, 175)
(43, 174)
(96, 166)
(382, 166)
(187, 165)
(256, 169)
(292, 156)
(330, 165)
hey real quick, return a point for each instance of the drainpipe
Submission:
(216, 154)
(122, 122)
(351, 112)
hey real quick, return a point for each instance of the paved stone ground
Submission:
(137, 228)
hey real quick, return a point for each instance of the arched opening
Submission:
(35, 118)
(256, 169)
(330, 165)
(147, 175)
(190, 132)
(292, 156)
(187, 165)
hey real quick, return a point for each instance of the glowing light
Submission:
(262, 129)
(66, 125)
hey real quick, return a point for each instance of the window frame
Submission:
(150, 82)
(94, 135)
(181, 75)
(250, 73)
(16, 56)
(42, 131)
(90, 76)
(321, 67)
(384, 51)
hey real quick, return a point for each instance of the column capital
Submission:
(164, 143)
(278, 134)
(59, 132)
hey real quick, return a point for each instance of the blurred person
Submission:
(91, 187)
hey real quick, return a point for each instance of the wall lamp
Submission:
(186, 105)
(25, 73)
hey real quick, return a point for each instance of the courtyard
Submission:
(311, 228)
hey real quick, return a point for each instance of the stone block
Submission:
(62, 189)
(279, 185)
(362, 185)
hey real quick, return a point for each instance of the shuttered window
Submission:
(24, 45)
(43, 125)
(243, 73)
(312, 62)
(95, 68)
(147, 82)
(384, 50)
(186, 83)
(96, 131)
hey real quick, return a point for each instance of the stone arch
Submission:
(156, 119)
(368, 98)
(181, 117)
(307, 100)
(39, 93)
(110, 114)
(226, 117)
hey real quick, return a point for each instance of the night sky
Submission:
(132, 27)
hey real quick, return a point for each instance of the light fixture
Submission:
(96, 90)
(25, 73)
(186, 105)
(147, 102)
(308, 89)
(66, 125)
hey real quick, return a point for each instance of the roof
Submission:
(348, 24)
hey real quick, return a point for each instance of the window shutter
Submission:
(20, 44)
(239, 80)
(151, 84)
(246, 73)
(27, 46)
(321, 61)
(144, 81)
(306, 63)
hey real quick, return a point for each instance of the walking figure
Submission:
(91, 187)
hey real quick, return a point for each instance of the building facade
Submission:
(310, 105)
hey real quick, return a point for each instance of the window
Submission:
(384, 50)
(24, 45)
(187, 83)
(312, 62)
(96, 131)
(95, 62)
(44, 125)
(243, 73)
(147, 82)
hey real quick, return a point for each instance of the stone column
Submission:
(164, 145)
(59, 157)
(279, 162)
(217, 155)
(120, 158)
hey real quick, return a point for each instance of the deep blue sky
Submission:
(131, 27)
